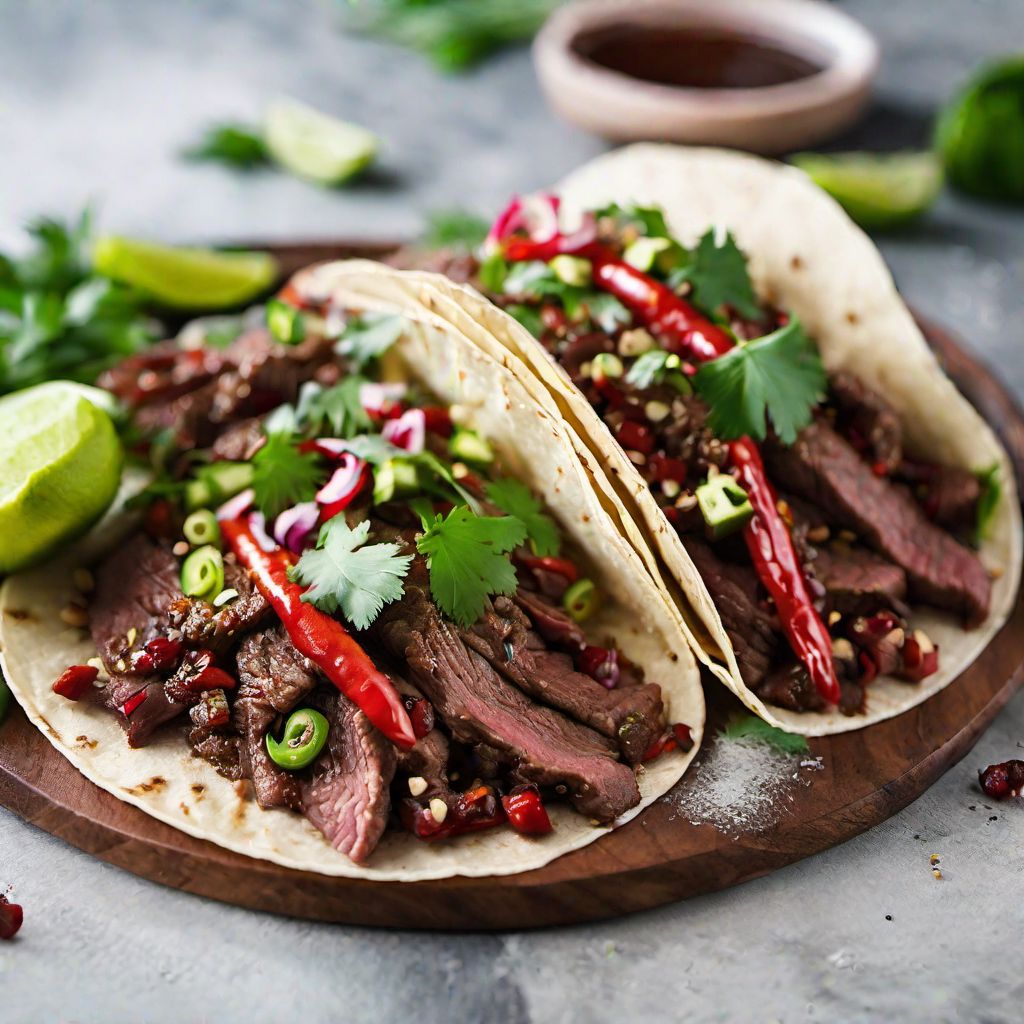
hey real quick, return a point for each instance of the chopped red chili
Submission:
(158, 655)
(471, 811)
(637, 437)
(11, 918)
(526, 812)
(132, 703)
(75, 681)
(421, 714)
(1002, 780)
(437, 420)
(664, 467)
(323, 640)
(601, 664)
(920, 660)
(683, 737)
(547, 563)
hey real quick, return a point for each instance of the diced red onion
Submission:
(538, 216)
(408, 431)
(344, 479)
(375, 398)
(258, 526)
(236, 506)
(295, 525)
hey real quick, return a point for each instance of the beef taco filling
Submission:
(341, 600)
(815, 532)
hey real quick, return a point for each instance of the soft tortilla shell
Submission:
(163, 780)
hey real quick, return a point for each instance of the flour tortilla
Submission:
(163, 779)
(807, 257)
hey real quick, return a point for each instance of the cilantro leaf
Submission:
(468, 561)
(991, 492)
(283, 476)
(719, 277)
(374, 448)
(339, 407)
(777, 377)
(650, 368)
(536, 280)
(367, 337)
(240, 146)
(607, 311)
(342, 574)
(517, 500)
(493, 273)
(454, 229)
(742, 727)
(528, 316)
(644, 220)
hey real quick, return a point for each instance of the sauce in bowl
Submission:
(693, 57)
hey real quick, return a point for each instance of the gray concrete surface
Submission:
(95, 98)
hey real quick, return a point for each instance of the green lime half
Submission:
(60, 467)
(315, 146)
(877, 190)
(186, 278)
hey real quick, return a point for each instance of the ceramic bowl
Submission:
(763, 119)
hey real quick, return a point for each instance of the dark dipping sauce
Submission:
(693, 58)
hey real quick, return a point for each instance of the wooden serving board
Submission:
(660, 857)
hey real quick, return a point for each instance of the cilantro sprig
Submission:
(467, 558)
(517, 500)
(779, 378)
(750, 727)
(368, 337)
(345, 574)
(240, 146)
(718, 276)
(282, 475)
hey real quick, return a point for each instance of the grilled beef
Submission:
(858, 582)
(203, 625)
(750, 628)
(824, 469)
(553, 624)
(631, 716)
(239, 442)
(272, 678)
(478, 706)
(866, 419)
(347, 796)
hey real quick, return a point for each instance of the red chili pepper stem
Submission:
(323, 640)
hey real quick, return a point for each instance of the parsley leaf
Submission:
(454, 229)
(344, 575)
(991, 492)
(777, 377)
(367, 337)
(339, 407)
(283, 476)
(468, 561)
(719, 277)
(742, 727)
(240, 146)
(517, 500)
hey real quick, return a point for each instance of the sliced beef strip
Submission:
(347, 796)
(949, 495)
(553, 624)
(272, 678)
(203, 625)
(751, 629)
(630, 716)
(428, 757)
(239, 442)
(478, 706)
(869, 417)
(791, 688)
(221, 751)
(824, 469)
(858, 582)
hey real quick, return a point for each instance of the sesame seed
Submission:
(180, 549)
(833, 618)
(82, 579)
(438, 810)
(73, 616)
(417, 785)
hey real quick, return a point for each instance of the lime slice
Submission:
(876, 190)
(186, 278)
(315, 146)
(60, 467)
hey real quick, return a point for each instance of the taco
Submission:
(840, 526)
(368, 616)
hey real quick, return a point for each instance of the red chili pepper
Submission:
(601, 664)
(421, 714)
(526, 813)
(473, 810)
(158, 655)
(437, 420)
(918, 663)
(11, 918)
(547, 563)
(664, 467)
(330, 510)
(323, 640)
(665, 743)
(683, 736)
(133, 703)
(636, 437)
(771, 549)
(74, 682)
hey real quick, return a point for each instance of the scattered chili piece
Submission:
(548, 563)
(637, 437)
(75, 681)
(473, 810)
(133, 703)
(160, 654)
(601, 664)
(999, 781)
(664, 467)
(421, 714)
(683, 737)
(11, 918)
(437, 420)
(526, 812)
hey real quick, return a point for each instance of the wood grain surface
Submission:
(658, 858)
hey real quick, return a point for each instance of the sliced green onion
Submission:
(469, 446)
(201, 528)
(224, 596)
(202, 573)
(581, 600)
(724, 504)
(606, 364)
(305, 734)
(571, 270)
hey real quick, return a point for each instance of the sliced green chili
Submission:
(581, 600)
(201, 528)
(202, 573)
(724, 504)
(305, 734)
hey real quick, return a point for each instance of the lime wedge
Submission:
(60, 467)
(315, 146)
(877, 190)
(186, 278)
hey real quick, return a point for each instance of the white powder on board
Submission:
(741, 786)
